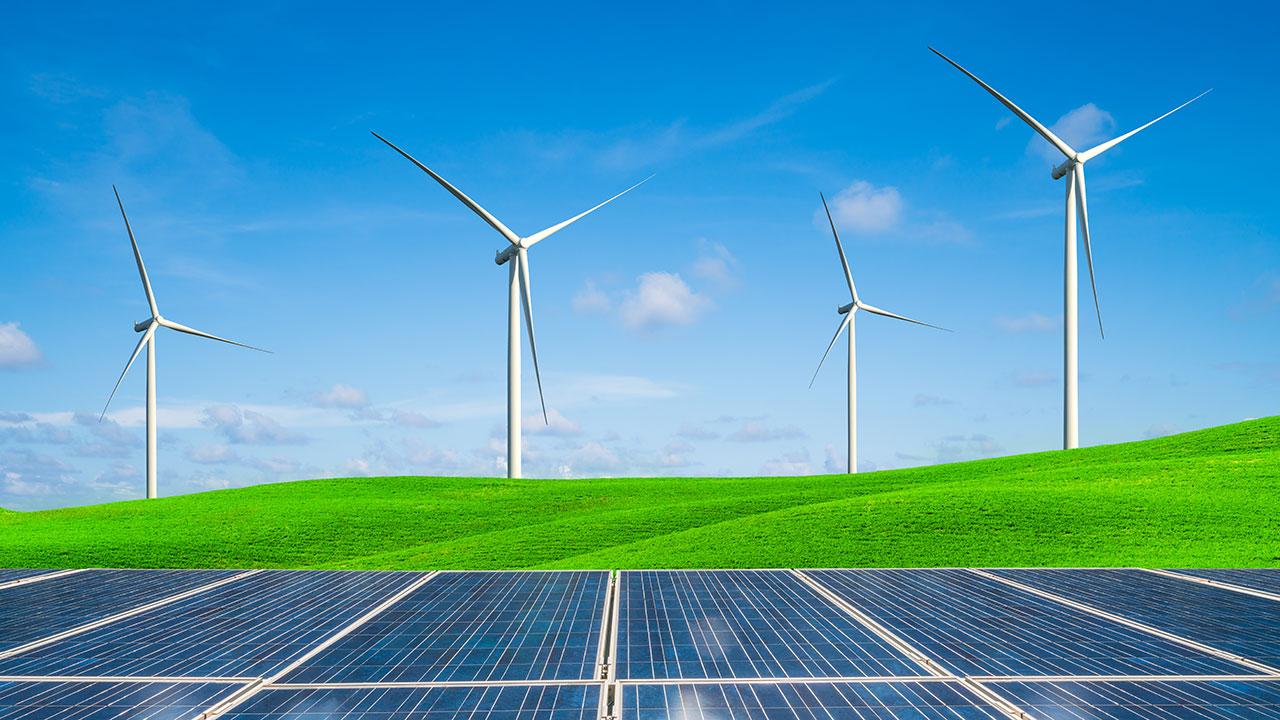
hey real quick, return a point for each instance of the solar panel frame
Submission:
(1233, 622)
(743, 624)
(1256, 698)
(8, 575)
(561, 701)
(919, 699)
(33, 611)
(1265, 580)
(551, 631)
(246, 628)
(973, 625)
(76, 700)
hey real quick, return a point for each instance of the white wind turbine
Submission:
(848, 311)
(518, 294)
(1076, 200)
(148, 329)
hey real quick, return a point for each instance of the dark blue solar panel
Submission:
(1264, 579)
(1246, 625)
(109, 700)
(248, 628)
(913, 700)
(742, 624)
(977, 626)
(9, 575)
(37, 610)
(1165, 699)
(505, 702)
(475, 627)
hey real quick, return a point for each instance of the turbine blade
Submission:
(1044, 132)
(199, 333)
(1082, 202)
(137, 256)
(885, 313)
(1094, 152)
(543, 234)
(146, 337)
(475, 207)
(848, 276)
(848, 317)
(526, 300)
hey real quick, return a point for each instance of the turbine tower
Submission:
(518, 295)
(148, 329)
(1077, 200)
(849, 310)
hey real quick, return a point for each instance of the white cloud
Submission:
(715, 263)
(834, 461)
(662, 298)
(1030, 323)
(17, 349)
(343, 396)
(555, 425)
(1081, 128)
(792, 463)
(691, 431)
(215, 454)
(246, 427)
(591, 299)
(864, 208)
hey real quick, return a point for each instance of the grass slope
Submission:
(1207, 498)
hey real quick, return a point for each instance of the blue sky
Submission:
(679, 326)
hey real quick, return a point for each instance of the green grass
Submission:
(1207, 498)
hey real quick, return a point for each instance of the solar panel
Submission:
(1243, 624)
(9, 575)
(109, 700)
(247, 628)
(475, 627)
(1165, 699)
(492, 702)
(915, 700)
(742, 624)
(976, 626)
(37, 610)
(1264, 579)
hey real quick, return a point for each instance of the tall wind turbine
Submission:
(518, 295)
(148, 329)
(849, 311)
(1073, 165)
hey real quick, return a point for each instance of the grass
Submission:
(1206, 498)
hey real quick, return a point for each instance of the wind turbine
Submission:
(148, 329)
(849, 311)
(518, 295)
(1073, 165)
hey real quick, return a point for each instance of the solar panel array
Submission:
(639, 645)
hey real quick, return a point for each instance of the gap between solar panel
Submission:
(28, 579)
(1214, 583)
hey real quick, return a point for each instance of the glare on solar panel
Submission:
(742, 624)
(36, 610)
(719, 701)
(475, 627)
(107, 700)
(1166, 699)
(247, 628)
(1238, 623)
(1262, 579)
(505, 702)
(977, 626)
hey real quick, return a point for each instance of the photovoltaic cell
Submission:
(976, 626)
(475, 627)
(1264, 579)
(742, 624)
(1124, 700)
(37, 610)
(9, 575)
(248, 628)
(806, 701)
(1245, 625)
(109, 700)
(505, 702)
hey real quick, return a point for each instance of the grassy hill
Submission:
(1207, 498)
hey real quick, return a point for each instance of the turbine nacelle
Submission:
(142, 325)
(846, 309)
(1065, 168)
(502, 256)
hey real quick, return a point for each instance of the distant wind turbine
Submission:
(148, 329)
(518, 294)
(848, 311)
(1076, 200)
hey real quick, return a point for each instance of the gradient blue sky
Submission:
(678, 327)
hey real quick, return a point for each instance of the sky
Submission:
(678, 327)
